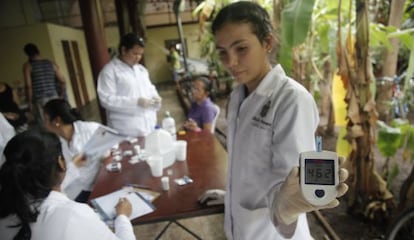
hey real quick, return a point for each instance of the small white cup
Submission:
(165, 181)
(181, 150)
(155, 163)
(137, 149)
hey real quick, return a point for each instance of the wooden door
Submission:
(76, 74)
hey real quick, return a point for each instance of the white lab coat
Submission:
(6, 133)
(63, 219)
(78, 179)
(119, 87)
(266, 132)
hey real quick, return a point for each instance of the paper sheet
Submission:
(102, 140)
(106, 204)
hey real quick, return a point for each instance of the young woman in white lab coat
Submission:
(126, 92)
(31, 203)
(271, 119)
(6, 132)
(73, 133)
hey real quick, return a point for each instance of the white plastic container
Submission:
(168, 123)
(160, 142)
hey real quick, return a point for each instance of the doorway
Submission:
(76, 74)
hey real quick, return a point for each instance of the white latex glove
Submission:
(290, 203)
(212, 197)
(156, 100)
(145, 102)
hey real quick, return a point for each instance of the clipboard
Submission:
(106, 204)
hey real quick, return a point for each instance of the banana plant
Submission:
(295, 22)
(398, 136)
(388, 143)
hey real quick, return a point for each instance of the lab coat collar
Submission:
(120, 62)
(275, 77)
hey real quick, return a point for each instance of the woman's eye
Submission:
(222, 54)
(241, 49)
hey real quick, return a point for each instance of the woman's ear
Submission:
(62, 163)
(58, 121)
(269, 42)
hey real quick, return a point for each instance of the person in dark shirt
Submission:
(9, 108)
(41, 77)
(202, 111)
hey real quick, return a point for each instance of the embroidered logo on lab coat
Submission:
(265, 109)
(260, 121)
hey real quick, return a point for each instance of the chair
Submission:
(213, 124)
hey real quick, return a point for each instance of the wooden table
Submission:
(206, 165)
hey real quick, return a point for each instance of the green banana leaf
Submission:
(409, 148)
(295, 22)
(389, 139)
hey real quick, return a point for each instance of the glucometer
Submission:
(319, 176)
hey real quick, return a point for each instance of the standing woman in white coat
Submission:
(126, 92)
(32, 206)
(271, 119)
(73, 133)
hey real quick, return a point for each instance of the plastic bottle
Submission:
(160, 142)
(168, 123)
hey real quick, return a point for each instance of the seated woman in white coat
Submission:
(126, 92)
(73, 133)
(6, 132)
(32, 205)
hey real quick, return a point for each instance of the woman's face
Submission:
(242, 54)
(198, 90)
(132, 56)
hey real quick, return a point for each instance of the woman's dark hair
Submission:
(28, 175)
(61, 108)
(129, 40)
(244, 12)
(208, 86)
(31, 50)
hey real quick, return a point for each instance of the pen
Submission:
(137, 185)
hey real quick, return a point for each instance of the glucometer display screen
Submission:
(319, 171)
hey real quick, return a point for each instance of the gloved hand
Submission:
(212, 197)
(290, 203)
(157, 100)
(145, 102)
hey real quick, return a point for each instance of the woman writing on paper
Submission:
(32, 205)
(73, 133)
